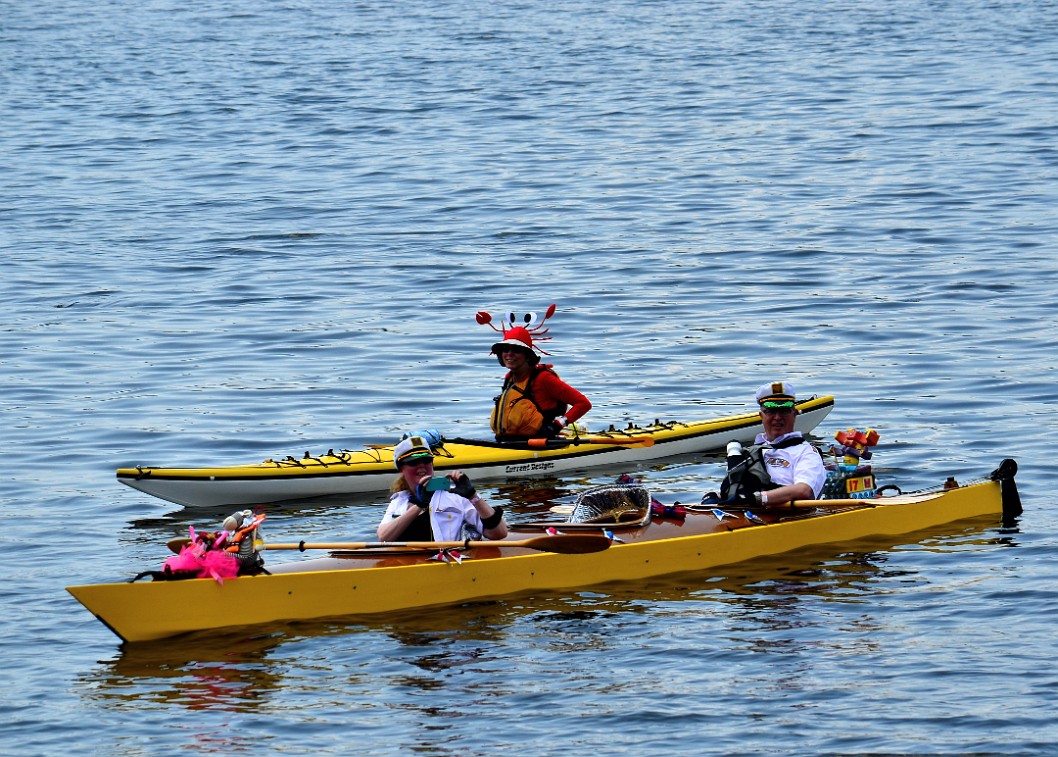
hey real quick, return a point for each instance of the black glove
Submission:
(749, 499)
(464, 487)
(420, 497)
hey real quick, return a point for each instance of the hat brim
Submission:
(414, 457)
(511, 343)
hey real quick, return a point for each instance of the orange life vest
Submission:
(517, 414)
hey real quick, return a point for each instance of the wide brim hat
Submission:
(776, 391)
(410, 449)
(516, 337)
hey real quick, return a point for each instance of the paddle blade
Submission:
(563, 544)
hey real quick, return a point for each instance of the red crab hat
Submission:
(519, 336)
(516, 337)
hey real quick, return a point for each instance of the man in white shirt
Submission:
(794, 466)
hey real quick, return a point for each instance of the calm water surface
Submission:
(244, 229)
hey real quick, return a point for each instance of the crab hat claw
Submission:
(511, 320)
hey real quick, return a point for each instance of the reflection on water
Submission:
(228, 671)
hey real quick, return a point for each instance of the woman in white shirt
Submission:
(415, 514)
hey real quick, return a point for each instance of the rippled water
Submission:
(235, 230)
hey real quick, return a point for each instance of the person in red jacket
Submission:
(534, 401)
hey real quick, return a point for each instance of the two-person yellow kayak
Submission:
(370, 578)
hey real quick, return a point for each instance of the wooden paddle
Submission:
(559, 442)
(811, 504)
(797, 504)
(565, 544)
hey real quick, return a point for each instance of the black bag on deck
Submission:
(747, 475)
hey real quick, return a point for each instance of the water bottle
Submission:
(734, 454)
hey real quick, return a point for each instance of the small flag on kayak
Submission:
(449, 555)
(660, 510)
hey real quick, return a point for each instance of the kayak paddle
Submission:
(559, 442)
(566, 544)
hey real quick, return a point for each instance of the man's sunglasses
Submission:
(777, 407)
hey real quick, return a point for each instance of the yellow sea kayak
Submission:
(371, 469)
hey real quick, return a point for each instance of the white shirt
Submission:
(448, 514)
(800, 463)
